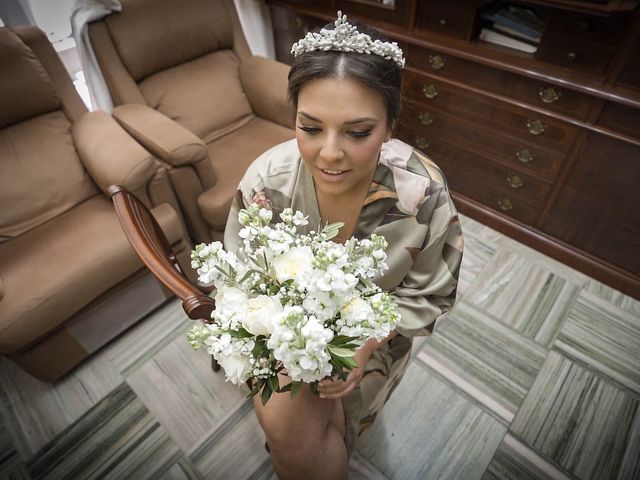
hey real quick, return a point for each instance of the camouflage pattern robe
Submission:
(409, 204)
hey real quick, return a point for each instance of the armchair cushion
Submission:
(40, 173)
(265, 83)
(160, 135)
(231, 156)
(65, 264)
(27, 90)
(110, 154)
(153, 35)
(203, 95)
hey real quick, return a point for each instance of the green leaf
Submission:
(266, 394)
(273, 383)
(240, 333)
(331, 230)
(295, 388)
(340, 351)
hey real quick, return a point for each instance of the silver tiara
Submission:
(346, 38)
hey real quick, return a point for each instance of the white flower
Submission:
(233, 355)
(260, 314)
(293, 264)
(230, 306)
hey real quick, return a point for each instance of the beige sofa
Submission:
(185, 84)
(69, 281)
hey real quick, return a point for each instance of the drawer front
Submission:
(501, 178)
(438, 17)
(575, 54)
(531, 128)
(469, 175)
(621, 118)
(397, 13)
(513, 153)
(591, 28)
(533, 92)
(289, 27)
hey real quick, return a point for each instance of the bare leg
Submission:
(305, 435)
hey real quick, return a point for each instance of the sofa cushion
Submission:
(53, 271)
(204, 95)
(41, 175)
(231, 155)
(26, 88)
(152, 35)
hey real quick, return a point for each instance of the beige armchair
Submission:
(186, 86)
(69, 281)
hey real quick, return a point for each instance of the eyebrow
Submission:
(350, 122)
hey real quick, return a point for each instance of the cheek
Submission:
(306, 146)
(366, 154)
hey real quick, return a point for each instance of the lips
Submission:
(333, 175)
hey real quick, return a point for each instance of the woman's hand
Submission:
(333, 388)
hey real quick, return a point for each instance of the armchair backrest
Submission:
(180, 57)
(41, 175)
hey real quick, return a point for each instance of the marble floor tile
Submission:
(35, 411)
(614, 297)
(477, 252)
(604, 337)
(359, 469)
(147, 337)
(477, 229)
(514, 459)
(183, 469)
(524, 295)
(11, 465)
(579, 420)
(483, 358)
(428, 430)
(235, 450)
(534, 256)
(118, 438)
(187, 397)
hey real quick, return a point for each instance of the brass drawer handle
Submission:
(571, 56)
(430, 91)
(549, 95)
(422, 143)
(436, 62)
(505, 204)
(298, 23)
(536, 127)
(515, 181)
(425, 118)
(442, 22)
(525, 155)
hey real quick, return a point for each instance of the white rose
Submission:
(260, 314)
(293, 263)
(236, 367)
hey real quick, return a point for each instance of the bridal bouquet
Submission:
(297, 303)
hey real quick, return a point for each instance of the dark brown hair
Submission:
(374, 71)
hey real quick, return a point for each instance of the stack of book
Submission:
(513, 27)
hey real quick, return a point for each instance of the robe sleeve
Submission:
(429, 289)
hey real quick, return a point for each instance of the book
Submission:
(510, 32)
(514, 22)
(497, 38)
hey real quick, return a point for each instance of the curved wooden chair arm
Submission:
(151, 245)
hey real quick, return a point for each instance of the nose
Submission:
(331, 148)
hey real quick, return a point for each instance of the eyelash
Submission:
(357, 134)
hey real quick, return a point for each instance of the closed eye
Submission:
(310, 130)
(360, 133)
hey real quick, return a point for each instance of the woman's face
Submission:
(340, 127)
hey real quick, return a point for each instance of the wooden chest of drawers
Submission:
(544, 147)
